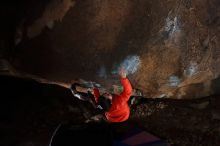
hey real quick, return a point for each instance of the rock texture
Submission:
(170, 48)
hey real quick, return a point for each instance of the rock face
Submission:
(170, 48)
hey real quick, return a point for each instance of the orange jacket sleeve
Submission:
(127, 91)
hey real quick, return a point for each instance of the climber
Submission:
(116, 108)
(119, 110)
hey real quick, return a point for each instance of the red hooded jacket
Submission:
(119, 110)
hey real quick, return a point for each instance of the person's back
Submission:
(120, 110)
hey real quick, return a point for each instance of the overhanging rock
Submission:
(170, 48)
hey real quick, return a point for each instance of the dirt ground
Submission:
(193, 122)
(30, 112)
